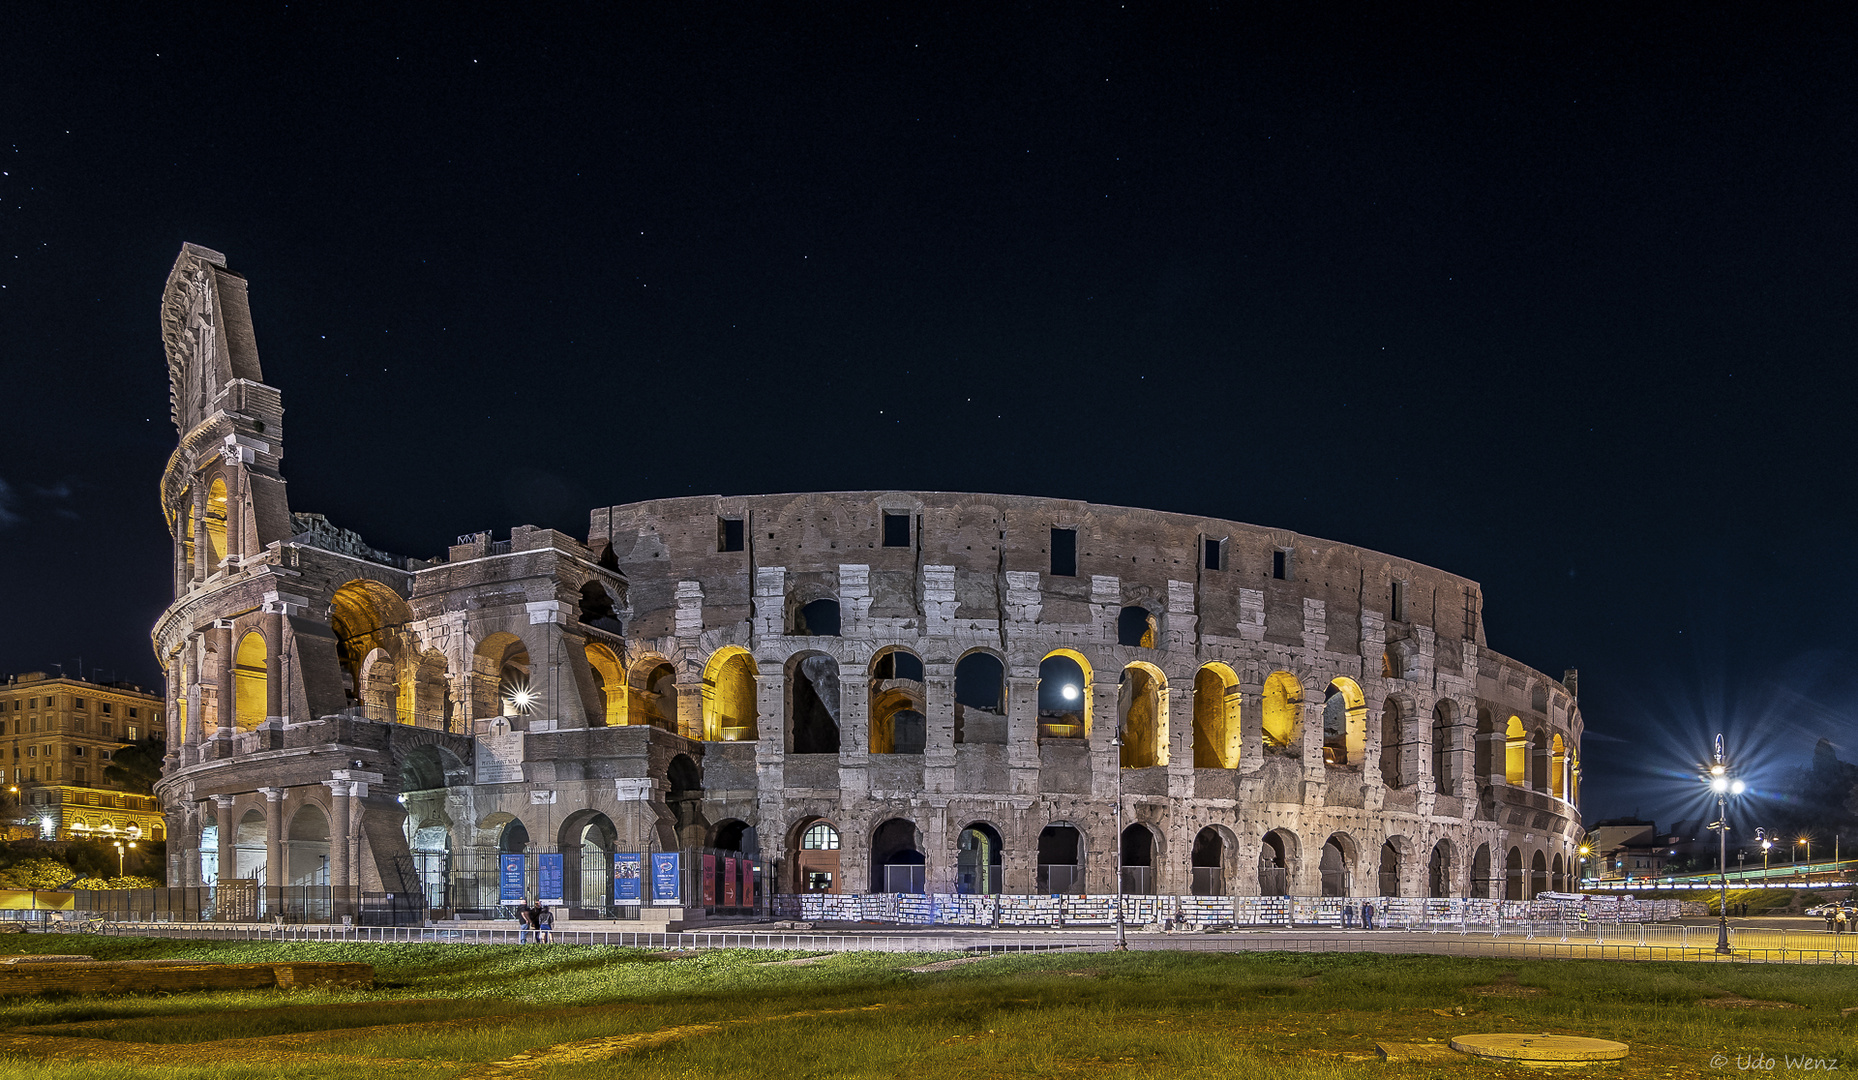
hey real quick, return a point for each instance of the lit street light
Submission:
(121, 854)
(1722, 785)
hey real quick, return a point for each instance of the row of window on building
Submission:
(105, 708)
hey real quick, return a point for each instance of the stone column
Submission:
(1496, 744)
(274, 665)
(854, 733)
(226, 698)
(1022, 733)
(203, 545)
(939, 727)
(338, 833)
(228, 858)
(1251, 726)
(274, 845)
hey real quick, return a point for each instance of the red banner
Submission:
(728, 881)
(709, 881)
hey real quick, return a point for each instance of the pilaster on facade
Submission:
(1315, 625)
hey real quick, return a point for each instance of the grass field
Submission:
(446, 1011)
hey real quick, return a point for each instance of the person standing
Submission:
(1839, 922)
(544, 923)
(525, 921)
(1348, 916)
(1367, 916)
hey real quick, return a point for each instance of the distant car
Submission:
(1823, 910)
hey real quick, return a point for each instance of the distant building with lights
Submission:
(57, 735)
(879, 692)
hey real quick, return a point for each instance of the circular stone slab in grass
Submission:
(1540, 1049)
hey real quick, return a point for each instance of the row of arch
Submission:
(897, 863)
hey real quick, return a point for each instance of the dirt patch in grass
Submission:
(1731, 1001)
(1505, 986)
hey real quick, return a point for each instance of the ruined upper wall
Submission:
(987, 537)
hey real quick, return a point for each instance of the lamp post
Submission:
(121, 854)
(1723, 786)
(1116, 741)
(1808, 841)
(1585, 851)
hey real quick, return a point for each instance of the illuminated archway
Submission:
(609, 686)
(1216, 717)
(1558, 767)
(1064, 695)
(1142, 706)
(216, 523)
(1345, 723)
(1282, 712)
(729, 703)
(1516, 753)
(249, 681)
(898, 695)
(652, 696)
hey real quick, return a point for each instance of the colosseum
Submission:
(878, 692)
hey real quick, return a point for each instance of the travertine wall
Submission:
(570, 686)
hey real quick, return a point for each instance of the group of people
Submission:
(1837, 919)
(1350, 912)
(537, 919)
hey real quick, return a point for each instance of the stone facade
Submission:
(939, 677)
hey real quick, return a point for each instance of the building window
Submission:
(1397, 604)
(729, 534)
(104, 729)
(81, 777)
(1213, 553)
(896, 530)
(1064, 552)
(131, 732)
(821, 837)
(132, 713)
(1280, 564)
(104, 754)
(106, 707)
(77, 751)
(80, 703)
(32, 751)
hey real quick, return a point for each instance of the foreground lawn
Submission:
(471, 1011)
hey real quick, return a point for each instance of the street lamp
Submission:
(121, 854)
(1722, 785)
(1585, 851)
(1808, 841)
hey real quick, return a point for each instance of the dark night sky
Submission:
(1566, 306)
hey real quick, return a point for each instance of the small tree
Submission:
(35, 873)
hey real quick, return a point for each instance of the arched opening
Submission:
(817, 863)
(1135, 626)
(1208, 862)
(813, 704)
(597, 607)
(379, 692)
(1064, 696)
(1480, 873)
(430, 845)
(898, 693)
(1393, 747)
(730, 711)
(652, 696)
(1138, 860)
(740, 847)
(1142, 707)
(1557, 878)
(514, 839)
(977, 860)
(586, 841)
(1389, 879)
(1061, 859)
(1274, 864)
(817, 619)
(1282, 711)
(1516, 753)
(366, 618)
(609, 704)
(430, 768)
(1481, 751)
(1345, 723)
(1439, 870)
(308, 847)
(980, 700)
(1444, 760)
(248, 847)
(1515, 885)
(432, 692)
(897, 864)
(249, 681)
(1557, 767)
(1538, 875)
(1333, 866)
(1216, 717)
(216, 523)
(685, 799)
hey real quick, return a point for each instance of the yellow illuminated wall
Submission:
(1216, 718)
(1516, 753)
(1283, 709)
(249, 681)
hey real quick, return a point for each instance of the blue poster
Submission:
(548, 878)
(511, 876)
(626, 869)
(664, 877)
